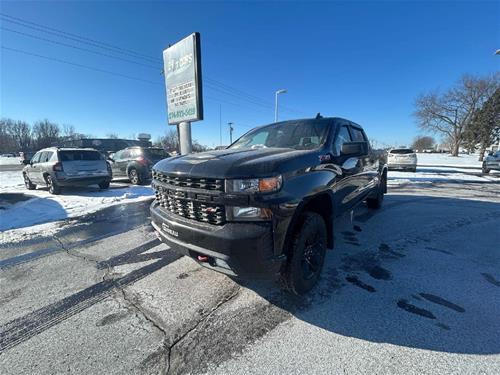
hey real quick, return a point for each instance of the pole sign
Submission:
(182, 69)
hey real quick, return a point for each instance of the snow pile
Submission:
(430, 175)
(44, 207)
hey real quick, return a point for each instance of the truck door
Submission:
(369, 174)
(347, 185)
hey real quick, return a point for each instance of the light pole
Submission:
(282, 91)
(230, 124)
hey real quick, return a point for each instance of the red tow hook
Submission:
(202, 258)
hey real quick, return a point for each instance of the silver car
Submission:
(402, 158)
(57, 167)
(491, 162)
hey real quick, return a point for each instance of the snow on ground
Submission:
(462, 160)
(433, 168)
(44, 207)
(435, 174)
(10, 161)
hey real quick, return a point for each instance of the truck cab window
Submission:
(342, 137)
(357, 135)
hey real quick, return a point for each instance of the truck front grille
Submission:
(200, 211)
(190, 182)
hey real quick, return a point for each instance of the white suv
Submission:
(402, 158)
(56, 167)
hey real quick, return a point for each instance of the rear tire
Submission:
(27, 182)
(52, 185)
(104, 185)
(134, 177)
(307, 254)
(376, 202)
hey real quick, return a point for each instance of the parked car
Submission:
(135, 163)
(266, 204)
(491, 162)
(8, 155)
(402, 158)
(60, 167)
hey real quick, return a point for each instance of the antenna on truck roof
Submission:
(318, 116)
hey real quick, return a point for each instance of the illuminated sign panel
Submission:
(182, 67)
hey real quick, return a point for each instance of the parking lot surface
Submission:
(412, 288)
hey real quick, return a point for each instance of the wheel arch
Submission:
(322, 204)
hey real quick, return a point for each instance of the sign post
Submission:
(182, 67)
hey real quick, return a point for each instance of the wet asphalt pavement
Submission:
(413, 288)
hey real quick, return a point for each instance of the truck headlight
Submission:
(255, 185)
(248, 213)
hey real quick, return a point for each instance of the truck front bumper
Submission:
(237, 249)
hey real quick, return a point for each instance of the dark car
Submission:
(266, 205)
(135, 163)
(58, 167)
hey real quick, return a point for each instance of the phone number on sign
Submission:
(182, 113)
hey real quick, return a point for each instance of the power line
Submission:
(78, 48)
(79, 65)
(112, 73)
(214, 84)
(76, 37)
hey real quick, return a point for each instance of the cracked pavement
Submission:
(412, 288)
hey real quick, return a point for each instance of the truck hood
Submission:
(239, 163)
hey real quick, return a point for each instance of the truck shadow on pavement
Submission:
(422, 272)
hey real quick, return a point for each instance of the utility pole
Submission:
(282, 91)
(230, 124)
(220, 124)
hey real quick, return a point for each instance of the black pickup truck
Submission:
(266, 205)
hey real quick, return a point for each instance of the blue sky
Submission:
(366, 61)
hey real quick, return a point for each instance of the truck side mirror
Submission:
(354, 149)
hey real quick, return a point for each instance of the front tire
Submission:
(27, 182)
(53, 187)
(307, 254)
(485, 170)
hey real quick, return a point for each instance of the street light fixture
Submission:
(497, 52)
(282, 91)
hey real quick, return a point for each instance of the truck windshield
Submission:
(299, 135)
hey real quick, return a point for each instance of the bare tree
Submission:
(46, 133)
(423, 143)
(7, 142)
(21, 132)
(170, 141)
(198, 147)
(112, 136)
(449, 113)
